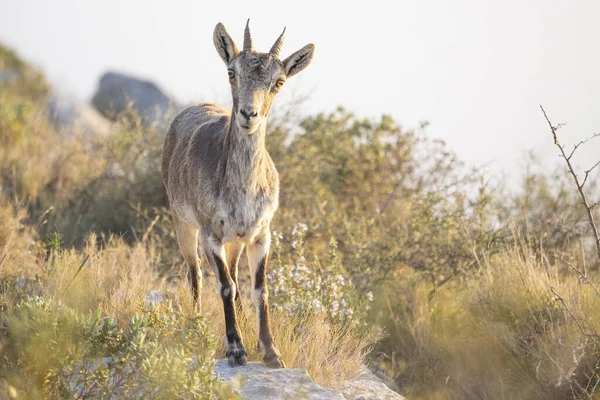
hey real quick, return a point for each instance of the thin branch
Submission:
(583, 276)
(584, 200)
(3, 257)
(595, 386)
(592, 378)
(581, 389)
(559, 298)
(588, 172)
(576, 146)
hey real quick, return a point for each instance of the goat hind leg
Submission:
(187, 238)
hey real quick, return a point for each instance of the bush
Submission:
(51, 350)
(300, 287)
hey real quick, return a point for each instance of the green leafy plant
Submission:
(52, 350)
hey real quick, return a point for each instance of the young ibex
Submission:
(222, 183)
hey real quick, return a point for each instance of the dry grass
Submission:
(329, 352)
(502, 334)
(117, 277)
(18, 249)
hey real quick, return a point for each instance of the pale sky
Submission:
(476, 70)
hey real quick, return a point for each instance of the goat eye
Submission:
(279, 83)
(230, 73)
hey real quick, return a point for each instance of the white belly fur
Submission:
(246, 227)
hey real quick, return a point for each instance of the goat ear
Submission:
(224, 44)
(299, 60)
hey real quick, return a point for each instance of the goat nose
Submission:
(248, 113)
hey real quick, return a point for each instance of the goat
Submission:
(222, 185)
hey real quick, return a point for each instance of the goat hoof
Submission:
(237, 357)
(231, 361)
(274, 362)
(234, 360)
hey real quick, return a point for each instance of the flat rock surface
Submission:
(255, 381)
(368, 386)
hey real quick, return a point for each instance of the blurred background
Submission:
(427, 228)
(476, 71)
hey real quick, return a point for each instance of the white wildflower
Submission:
(288, 309)
(334, 307)
(316, 305)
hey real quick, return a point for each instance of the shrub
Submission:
(301, 287)
(51, 350)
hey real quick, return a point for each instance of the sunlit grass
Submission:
(500, 333)
(116, 278)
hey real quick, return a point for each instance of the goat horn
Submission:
(247, 37)
(277, 46)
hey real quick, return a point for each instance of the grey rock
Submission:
(256, 381)
(20, 283)
(154, 297)
(368, 386)
(119, 94)
(30, 286)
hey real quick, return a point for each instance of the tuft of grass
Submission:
(331, 353)
(18, 246)
(502, 332)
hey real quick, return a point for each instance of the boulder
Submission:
(368, 386)
(255, 381)
(120, 95)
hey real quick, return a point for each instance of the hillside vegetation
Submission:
(387, 251)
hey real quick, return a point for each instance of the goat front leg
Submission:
(258, 253)
(216, 257)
